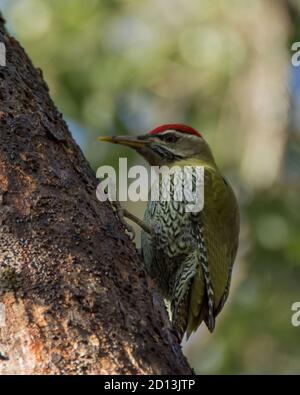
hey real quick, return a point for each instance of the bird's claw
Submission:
(128, 228)
(120, 214)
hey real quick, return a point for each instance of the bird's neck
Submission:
(209, 165)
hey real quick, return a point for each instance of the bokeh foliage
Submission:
(125, 66)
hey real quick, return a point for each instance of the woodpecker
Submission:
(188, 255)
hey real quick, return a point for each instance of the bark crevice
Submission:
(75, 294)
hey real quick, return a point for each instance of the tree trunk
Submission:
(74, 298)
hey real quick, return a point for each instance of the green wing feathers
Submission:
(197, 310)
(220, 227)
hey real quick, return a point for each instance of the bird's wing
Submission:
(216, 229)
(220, 218)
(197, 307)
(201, 296)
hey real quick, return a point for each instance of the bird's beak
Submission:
(129, 141)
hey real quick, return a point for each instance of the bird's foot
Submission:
(121, 214)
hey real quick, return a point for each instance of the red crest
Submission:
(175, 126)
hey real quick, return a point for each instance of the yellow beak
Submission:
(129, 141)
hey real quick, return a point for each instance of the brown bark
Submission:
(75, 294)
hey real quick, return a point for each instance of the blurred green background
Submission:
(224, 67)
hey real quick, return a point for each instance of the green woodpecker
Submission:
(189, 256)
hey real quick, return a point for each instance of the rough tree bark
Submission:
(75, 295)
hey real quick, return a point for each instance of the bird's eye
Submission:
(169, 138)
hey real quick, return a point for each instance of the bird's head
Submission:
(167, 145)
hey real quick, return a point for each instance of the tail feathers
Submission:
(193, 300)
(210, 322)
(201, 306)
(197, 305)
(195, 321)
